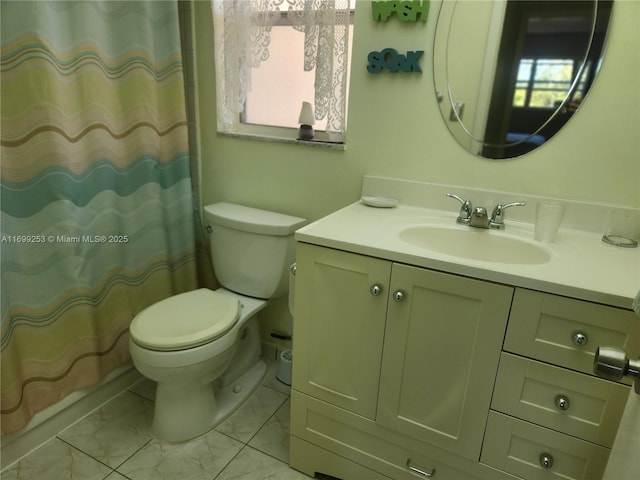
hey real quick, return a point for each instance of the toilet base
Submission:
(183, 412)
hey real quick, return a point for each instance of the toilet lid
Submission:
(185, 320)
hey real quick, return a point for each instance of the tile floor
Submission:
(115, 442)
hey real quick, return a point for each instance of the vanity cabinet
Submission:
(411, 350)
(405, 372)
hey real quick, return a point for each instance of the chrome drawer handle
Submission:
(580, 339)
(546, 460)
(428, 474)
(562, 402)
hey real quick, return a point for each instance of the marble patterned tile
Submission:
(115, 431)
(199, 459)
(116, 476)
(145, 388)
(251, 416)
(273, 438)
(119, 435)
(56, 460)
(251, 464)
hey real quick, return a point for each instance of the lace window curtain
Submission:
(242, 37)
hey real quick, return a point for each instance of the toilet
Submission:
(203, 347)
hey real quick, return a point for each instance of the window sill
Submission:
(294, 141)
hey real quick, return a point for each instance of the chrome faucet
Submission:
(497, 217)
(464, 217)
(477, 217)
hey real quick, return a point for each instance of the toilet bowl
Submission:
(203, 347)
(199, 385)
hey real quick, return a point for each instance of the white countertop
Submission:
(581, 265)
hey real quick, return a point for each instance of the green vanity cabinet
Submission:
(395, 352)
(405, 372)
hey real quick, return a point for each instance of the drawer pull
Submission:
(546, 460)
(562, 402)
(424, 473)
(580, 339)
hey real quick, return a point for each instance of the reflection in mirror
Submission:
(511, 73)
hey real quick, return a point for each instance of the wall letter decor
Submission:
(407, 11)
(394, 61)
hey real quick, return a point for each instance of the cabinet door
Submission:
(339, 327)
(441, 352)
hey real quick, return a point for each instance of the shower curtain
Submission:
(98, 217)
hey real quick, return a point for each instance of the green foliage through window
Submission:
(543, 82)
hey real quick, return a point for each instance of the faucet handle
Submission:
(464, 216)
(497, 217)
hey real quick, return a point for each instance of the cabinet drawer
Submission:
(517, 447)
(567, 332)
(368, 444)
(570, 402)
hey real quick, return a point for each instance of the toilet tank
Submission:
(251, 249)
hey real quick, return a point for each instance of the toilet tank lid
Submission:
(252, 220)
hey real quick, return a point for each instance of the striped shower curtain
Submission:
(98, 217)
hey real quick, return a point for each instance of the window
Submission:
(545, 83)
(280, 84)
(265, 100)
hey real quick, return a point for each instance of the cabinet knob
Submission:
(580, 339)
(546, 460)
(376, 290)
(562, 402)
(398, 295)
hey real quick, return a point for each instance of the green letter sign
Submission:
(407, 11)
(394, 61)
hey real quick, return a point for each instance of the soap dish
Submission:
(619, 241)
(379, 202)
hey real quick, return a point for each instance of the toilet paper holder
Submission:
(612, 363)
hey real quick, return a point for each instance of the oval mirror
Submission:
(510, 73)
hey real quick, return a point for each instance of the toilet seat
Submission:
(184, 321)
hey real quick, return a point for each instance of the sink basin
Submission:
(476, 244)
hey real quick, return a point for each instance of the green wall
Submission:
(395, 129)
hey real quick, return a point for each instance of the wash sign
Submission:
(407, 11)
